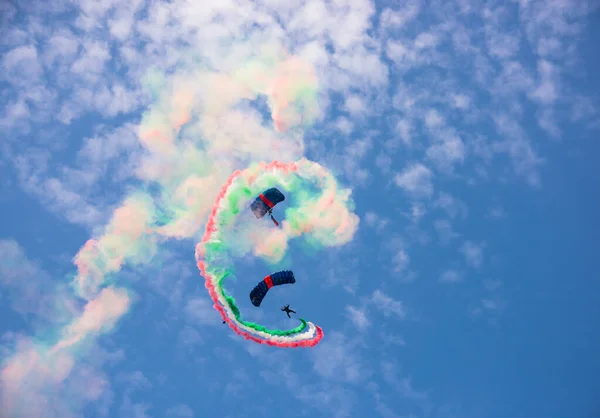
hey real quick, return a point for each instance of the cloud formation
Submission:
(214, 83)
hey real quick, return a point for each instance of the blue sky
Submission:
(466, 130)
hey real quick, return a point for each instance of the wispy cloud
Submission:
(387, 305)
(376, 221)
(416, 179)
(451, 276)
(496, 212)
(445, 231)
(403, 384)
(199, 310)
(134, 409)
(473, 253)
(400, 261)
(454, 208)
(358, 317)
(36, 381)
(29, 285)
(34, 372)
(333, 400)
(336, 359)
(492, 304)
(180, 411)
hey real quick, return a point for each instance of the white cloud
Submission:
(492, 285)
(15, 267)
(352, 21)
(445, 231)
(354, 154)
(387, 305)
(134, 380)
(358, 317)
(92, 63)
(546, 92)
(403, 384)
(496, 212)
(433, 119)
(332, 400)
(180, 411)
(583, 108)
(375, 221)
(63, 45)
(492, 304)
(14, 113)
(134, 410)
(451, 276)
(416, 180)
(503, 44)
(73, 192)
(455, 208)
(524, 158)
(393, 18)
(35, 386)
(400, 261)
(189, 338)
(461, 101)
(199, 311)
(29, 287)
(100, 150)
(345, 272)
(355, 105)
(384, 163)
(122, 23)
(115, 99)
(21, 65)
(344, 125)
(404, 128)
(548, 122)
(417, 211)
(426, 40)
(473, 253)
(335, 359)
(447, 151)
(59, 197)
(391, 339)
(402, 56)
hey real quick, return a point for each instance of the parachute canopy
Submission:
(265, 202)
(260, 290)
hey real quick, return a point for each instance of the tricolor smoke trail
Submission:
(326, 218)
(200, 128)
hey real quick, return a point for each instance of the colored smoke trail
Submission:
(290, 85)
(198, 130)
(327, 219)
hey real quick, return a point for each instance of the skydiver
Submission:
(287, 310)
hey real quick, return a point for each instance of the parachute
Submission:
(265, 202)
(260, 290)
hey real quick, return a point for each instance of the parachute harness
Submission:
(270, 212)
(276, 195)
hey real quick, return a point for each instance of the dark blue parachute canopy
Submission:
(265, 202)
(260, 290)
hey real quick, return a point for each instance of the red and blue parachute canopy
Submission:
(260, 290)
(265, 202)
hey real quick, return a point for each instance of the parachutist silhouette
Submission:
(287, 310)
